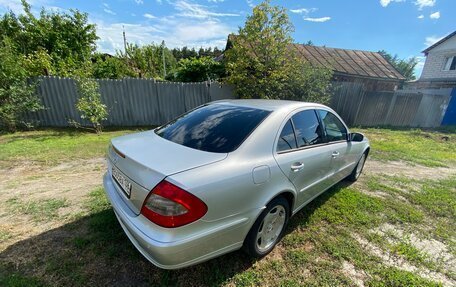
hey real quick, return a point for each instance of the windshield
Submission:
(213, 128)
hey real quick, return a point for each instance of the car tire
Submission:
(358, 168)
(268, 229)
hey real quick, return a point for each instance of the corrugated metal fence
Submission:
(405, 108)
(137, 102)
(130, 102)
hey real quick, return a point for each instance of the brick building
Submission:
(439, 70)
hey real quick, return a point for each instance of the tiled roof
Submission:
(350, 62)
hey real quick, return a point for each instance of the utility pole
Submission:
(125, 40)
(163, 56)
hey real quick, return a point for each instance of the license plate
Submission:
(122, 180)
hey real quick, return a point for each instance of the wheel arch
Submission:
(366, 151)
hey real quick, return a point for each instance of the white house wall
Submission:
(436, 59)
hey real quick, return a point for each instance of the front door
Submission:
(336, 136)
(303, 156)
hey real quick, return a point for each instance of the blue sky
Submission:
(403, 27)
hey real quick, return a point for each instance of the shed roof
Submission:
(344, 61)
(350, 62)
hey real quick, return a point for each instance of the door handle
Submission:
(297, 166)
(335, 154)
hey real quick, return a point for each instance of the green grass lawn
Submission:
(50, 147)
(347, 234)
(429, 148)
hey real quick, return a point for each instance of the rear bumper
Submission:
(172, 252)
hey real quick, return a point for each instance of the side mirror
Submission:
(356, 137)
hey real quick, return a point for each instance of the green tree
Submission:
(147, 61)
(67, 38)
(405, 66)
(184, 53)
(199, 69)
(105, 67)
(17, 91)
(263, 62)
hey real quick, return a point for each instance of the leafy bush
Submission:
(199, 69)
(90, 105)
(17, 92)
(106, 67)
(66, 37)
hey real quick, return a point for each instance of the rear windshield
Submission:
(213, 128)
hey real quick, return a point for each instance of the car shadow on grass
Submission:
(94, 250)
(302, 217)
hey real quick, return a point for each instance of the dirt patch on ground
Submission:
(390, 259)
(355, 275)
(434, 249)
(70, 181)
(402, 168)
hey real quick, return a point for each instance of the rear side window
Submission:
(213, 128)
(287, 138)
(308, 129)
(334, 128)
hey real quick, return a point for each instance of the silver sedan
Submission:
(227, 175)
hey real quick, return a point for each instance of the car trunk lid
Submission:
(140, 161)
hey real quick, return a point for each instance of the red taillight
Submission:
(170, 206)
(118, 152)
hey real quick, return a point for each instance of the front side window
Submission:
(287, 138)
(213, 128)
(334, 128)
(450, 64)
(308, 129)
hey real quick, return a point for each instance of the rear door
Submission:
(302, 154)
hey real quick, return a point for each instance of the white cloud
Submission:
(149, 16)
(435, 15)
(16, 6)
(159, 1)
(139, 2)
(421, 16)
(109, 11)
(385, 3)
(250, 3)
(419, 66)
(420, 60)
(303, 10)
(192, 10)
(216, 1)
(432, 39)
(201, 31)
(321, 19)
(175, 33)
(424, 3)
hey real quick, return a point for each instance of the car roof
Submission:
(271, 105)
